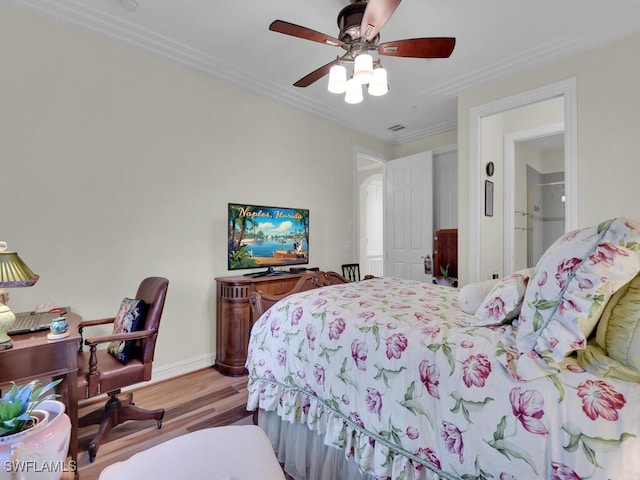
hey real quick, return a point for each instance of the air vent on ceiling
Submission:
(397, 128)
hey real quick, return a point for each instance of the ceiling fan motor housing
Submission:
(349, 21)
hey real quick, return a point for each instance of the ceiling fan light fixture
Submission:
(379, 84)
(337, 79)
(363, 69)
(354, 91)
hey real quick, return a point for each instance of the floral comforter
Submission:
(391, 371)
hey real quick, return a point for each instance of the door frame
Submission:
(510, 141)
(355, 222)
(564, 88)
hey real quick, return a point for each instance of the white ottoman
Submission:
(222, 453)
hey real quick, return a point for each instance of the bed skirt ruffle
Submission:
(315, 443)
(303, 452)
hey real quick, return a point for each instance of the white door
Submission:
(445, 189)
(409, 216)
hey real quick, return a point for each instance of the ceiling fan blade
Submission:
(375, 16)
(436, 47)
(316, 74)
(294, 30)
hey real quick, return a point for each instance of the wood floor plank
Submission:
(201, 399)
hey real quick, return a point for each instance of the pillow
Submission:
(471, 295)
(618, 337)
(573, 281)
(601, 330)
(504, 300)
(130, 318)
(623, 308)
(594, 360)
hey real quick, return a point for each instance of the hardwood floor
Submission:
(200, 399)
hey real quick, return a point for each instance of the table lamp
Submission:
(13, 273)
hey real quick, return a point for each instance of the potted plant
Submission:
(34, 432)
(444, 278)
(18, 404)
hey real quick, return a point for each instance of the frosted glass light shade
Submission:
(363, 68)
(337, 79)
(354, 91)
(378, 85)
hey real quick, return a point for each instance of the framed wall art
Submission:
(488, 198)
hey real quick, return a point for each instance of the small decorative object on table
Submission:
(59, 328)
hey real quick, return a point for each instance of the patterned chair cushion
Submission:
(130, 318)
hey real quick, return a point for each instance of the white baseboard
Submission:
(180, 368)
(176, 369)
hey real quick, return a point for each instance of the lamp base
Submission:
(7, 319)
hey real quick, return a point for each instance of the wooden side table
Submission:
(233, 316)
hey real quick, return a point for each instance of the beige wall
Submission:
(117, 165)
(608, 126)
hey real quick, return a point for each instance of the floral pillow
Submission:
(504, 300)
(572, 283)
(130, 318)
(471, 295)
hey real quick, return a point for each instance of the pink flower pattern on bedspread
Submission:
(396, 376)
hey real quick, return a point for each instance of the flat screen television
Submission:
(261, 236)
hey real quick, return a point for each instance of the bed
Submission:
(395, 379)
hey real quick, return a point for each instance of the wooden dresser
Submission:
(233, 316)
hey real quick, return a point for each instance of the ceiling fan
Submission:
(360, 23)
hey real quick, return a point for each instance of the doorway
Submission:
(489, 237)
(369, 208)
(532, 157)
(545, 218)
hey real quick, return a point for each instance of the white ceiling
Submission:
(230, 39)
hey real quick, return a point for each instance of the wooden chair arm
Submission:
(118, 336)
(93, 343)
(93, 323)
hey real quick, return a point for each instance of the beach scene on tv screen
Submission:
(262, 236)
